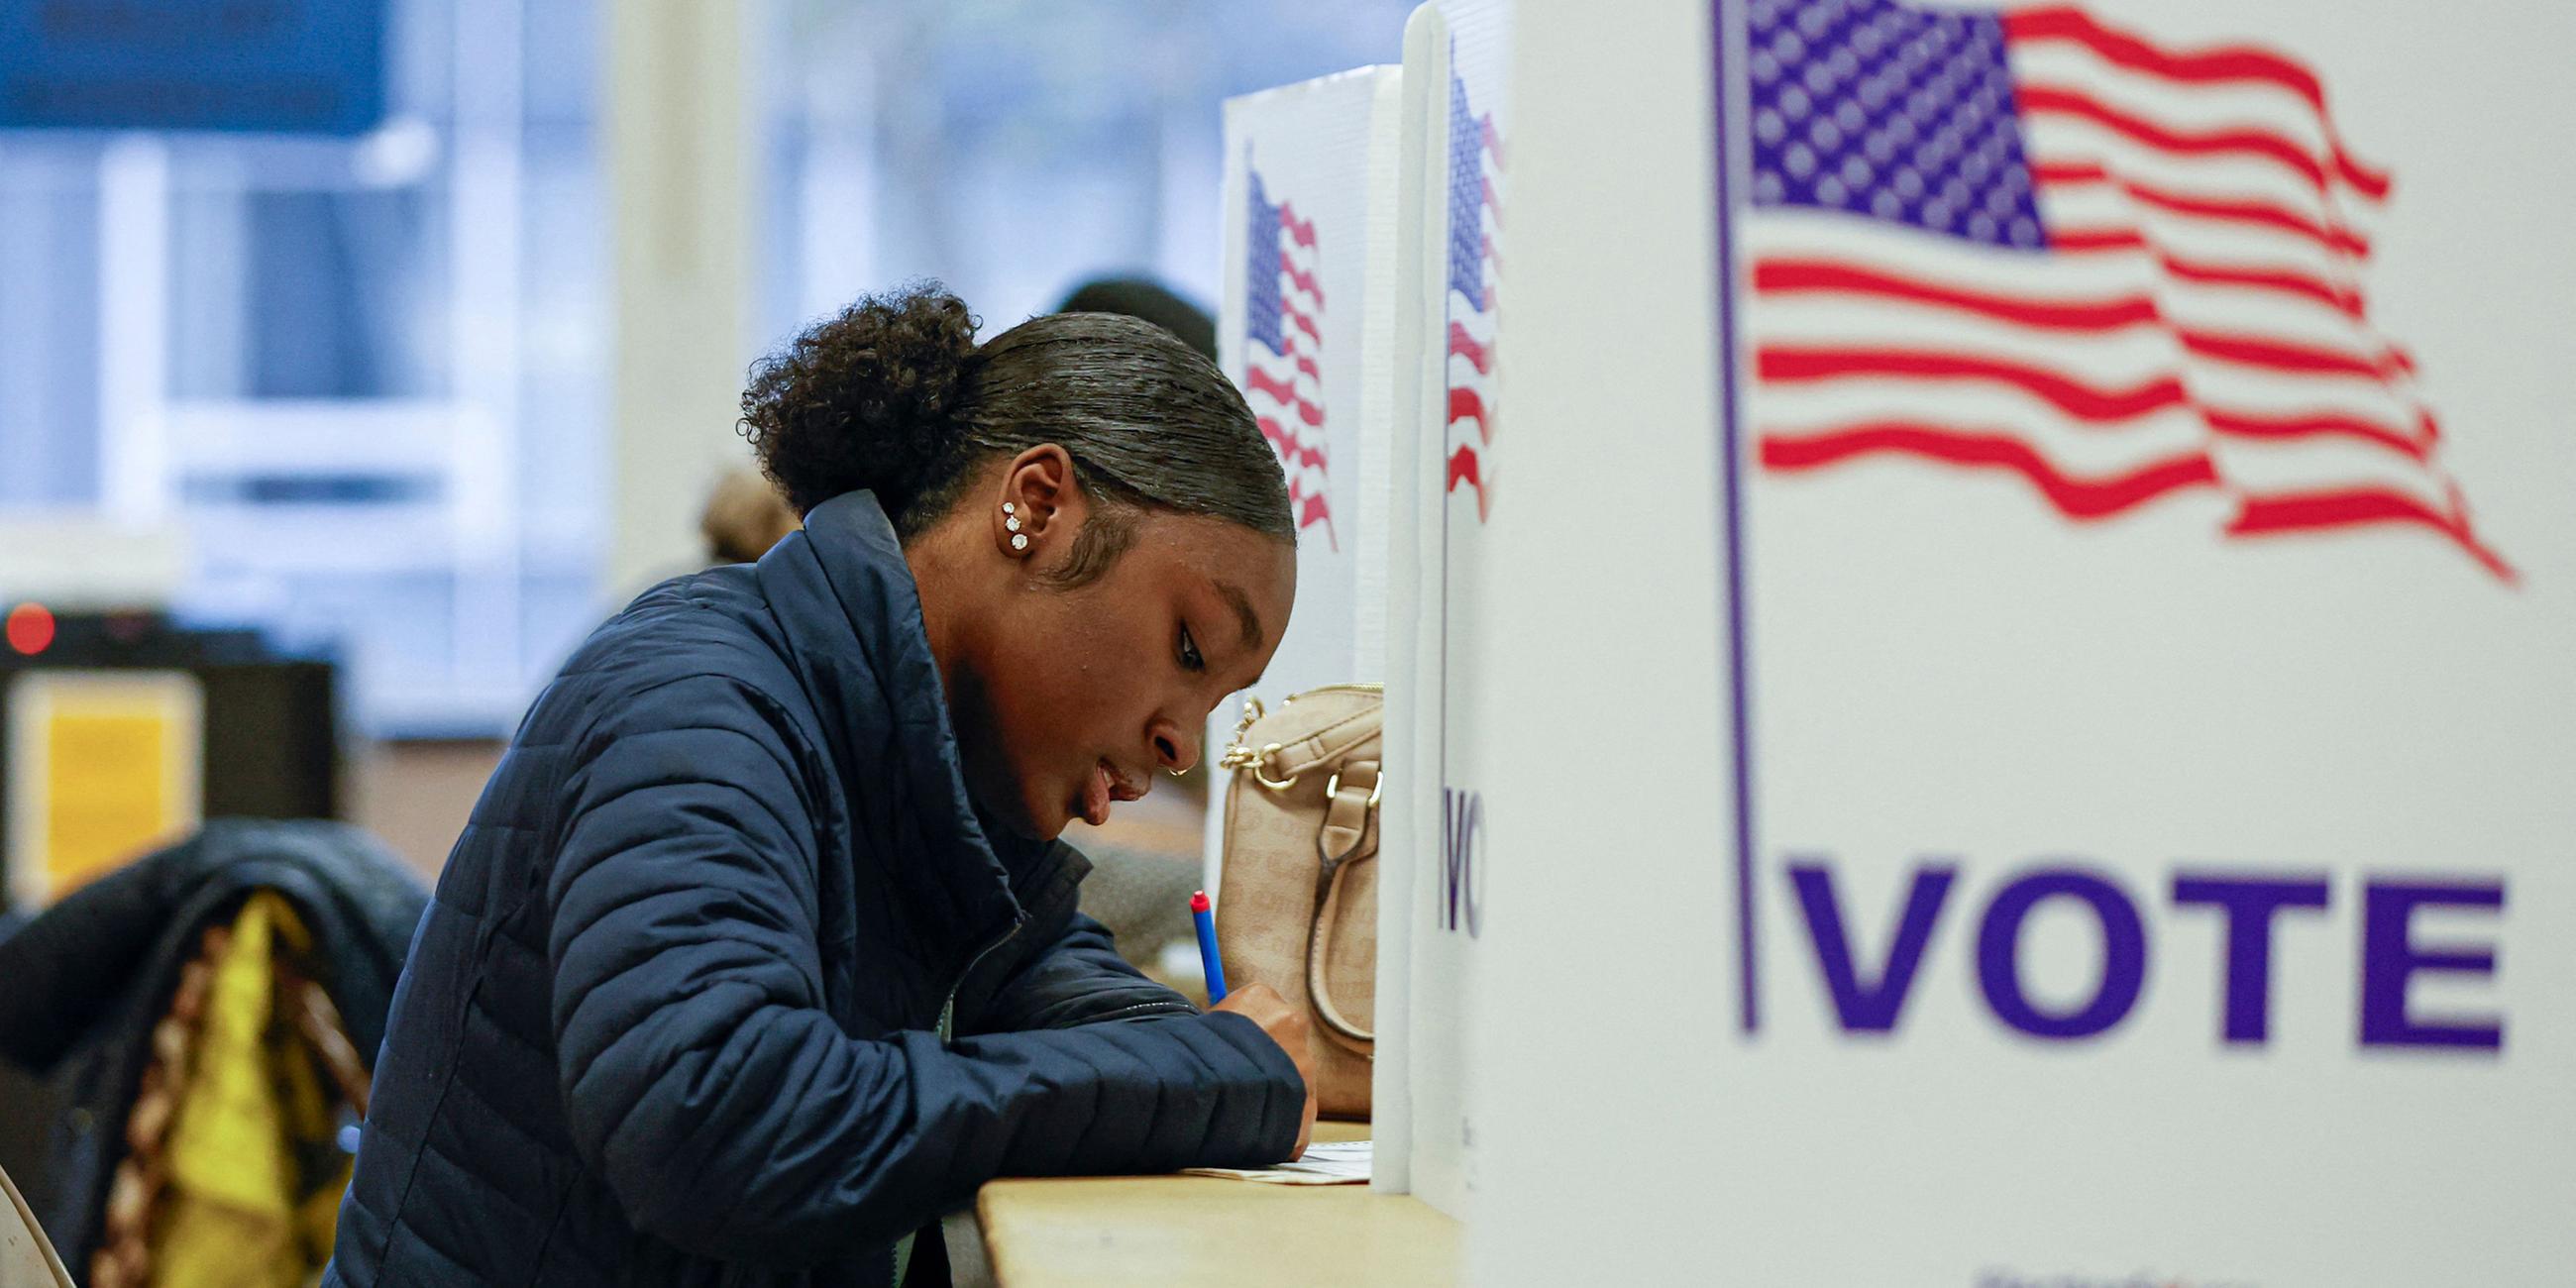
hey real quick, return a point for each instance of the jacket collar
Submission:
(851, 613)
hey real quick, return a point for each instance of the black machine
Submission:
(270, 720)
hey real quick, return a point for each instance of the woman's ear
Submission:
(1041, 505)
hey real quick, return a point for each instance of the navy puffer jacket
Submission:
(672, 1015)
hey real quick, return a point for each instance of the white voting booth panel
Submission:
(1305, 330)
(1455, 83)
(1395, 318)
(1598, 1035)
(1308, 330)
(2058, 540)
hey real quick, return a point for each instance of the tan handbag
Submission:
(1298, 906)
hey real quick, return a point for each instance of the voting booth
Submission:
(2031, 600)
(1361, 320)
(1447, 478)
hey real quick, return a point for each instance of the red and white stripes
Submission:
(1471, 404)
(1286, 389)
(2197, 324)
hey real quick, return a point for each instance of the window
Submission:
(363, 376)
(1014, 150)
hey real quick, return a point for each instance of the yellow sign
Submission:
(103, 766)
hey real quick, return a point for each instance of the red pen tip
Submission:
(1199, 901)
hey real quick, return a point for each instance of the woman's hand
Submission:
(1286, 1026)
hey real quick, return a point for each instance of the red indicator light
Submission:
(31, 629)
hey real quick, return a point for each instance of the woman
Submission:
(757, 954)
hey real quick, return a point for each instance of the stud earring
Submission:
(1011, 524)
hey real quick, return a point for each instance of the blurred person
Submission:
(744, 517)
(1143, 297)
(759, 953)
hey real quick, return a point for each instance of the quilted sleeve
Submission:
(726, 1110)
(1077, 979)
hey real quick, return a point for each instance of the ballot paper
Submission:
(1338, 1163)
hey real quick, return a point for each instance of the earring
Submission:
(1011, 524)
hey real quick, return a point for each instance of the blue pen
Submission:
(1204, 913)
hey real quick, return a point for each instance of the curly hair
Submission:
(894, 396)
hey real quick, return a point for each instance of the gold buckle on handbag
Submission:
(1239, 756)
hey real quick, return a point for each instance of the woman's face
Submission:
(1083, 696)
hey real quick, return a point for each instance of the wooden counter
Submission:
(1179, 1231)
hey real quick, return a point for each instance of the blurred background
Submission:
(336, 372)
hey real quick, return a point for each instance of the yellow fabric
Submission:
(236, 1213)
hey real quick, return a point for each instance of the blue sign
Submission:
(291, 66)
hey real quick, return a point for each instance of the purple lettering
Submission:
(2124, 954)
(2248, 904)
(1460, 820)
(2389, 958)
(1871, 1007)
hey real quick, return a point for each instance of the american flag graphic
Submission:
(2030, 243)
(1475, 164)
(1284, 316)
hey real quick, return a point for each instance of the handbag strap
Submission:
(1350, 812)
